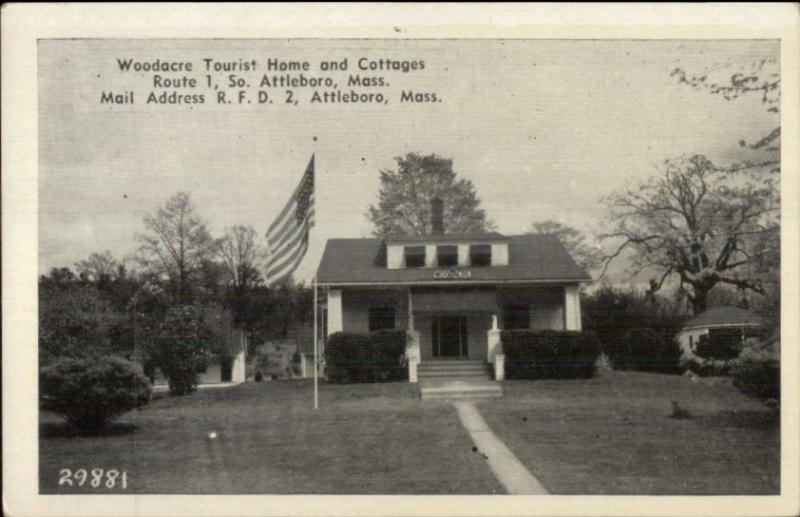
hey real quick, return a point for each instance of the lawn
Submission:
(365, 439)
(613, 434)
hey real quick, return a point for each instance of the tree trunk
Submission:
(700, 299)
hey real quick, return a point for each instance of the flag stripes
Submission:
(288, 234)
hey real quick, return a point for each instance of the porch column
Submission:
(493, 341)
(412, 345)
(334, 311)
(572, 308)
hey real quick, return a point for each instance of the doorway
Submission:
(449, 336)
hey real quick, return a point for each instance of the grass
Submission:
(364, 439)
(617, 434)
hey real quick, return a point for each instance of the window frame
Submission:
(454, 254)
(473, 254)
(407, 252)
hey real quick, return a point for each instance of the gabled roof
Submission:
(531, 258)
(724, 316)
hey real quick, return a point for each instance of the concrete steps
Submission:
(456, 380)
(453, 369)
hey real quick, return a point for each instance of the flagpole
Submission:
(316, 382)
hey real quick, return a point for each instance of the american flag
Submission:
(288, 235)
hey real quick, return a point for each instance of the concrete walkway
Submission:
(508, 470)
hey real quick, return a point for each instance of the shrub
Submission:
(89, 392)
(649, 350)
(757, 371)
(713, 354)
(374, 357)
(548, 354)
(721, 344)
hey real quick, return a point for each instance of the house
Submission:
(718, 320)
(452, 293)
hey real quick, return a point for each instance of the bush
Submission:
(757, 371)
(549, 354)
(649, 350)
(721, 344)
(374, 357)
(90, 392)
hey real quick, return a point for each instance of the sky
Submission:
(543, 128)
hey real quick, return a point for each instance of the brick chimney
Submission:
(437, 216)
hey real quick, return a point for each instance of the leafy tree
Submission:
(188, 336)
(177, 245)
(700, 223)
(99, 267)
(586, 256)
(405, 196)
(74, 320)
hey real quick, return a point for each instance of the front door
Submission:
(449, 335)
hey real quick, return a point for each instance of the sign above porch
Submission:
(452, 274)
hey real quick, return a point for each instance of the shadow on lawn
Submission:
(749, 419)
(64, 430)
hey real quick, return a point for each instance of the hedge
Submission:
(374, 357)
(549, 354)
(646, 349)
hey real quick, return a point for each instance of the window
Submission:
(516, 317)
(415, 256)
(480, 255)
(447, 256)
(381, 318)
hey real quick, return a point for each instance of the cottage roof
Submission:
(539, 258)
(724, 316)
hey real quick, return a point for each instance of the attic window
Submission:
(414, 256)
(447, 256)
(480, 255)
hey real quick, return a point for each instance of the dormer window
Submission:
(480, 255)
(414, 256)
(447, 256)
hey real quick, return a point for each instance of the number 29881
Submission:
(95, 478)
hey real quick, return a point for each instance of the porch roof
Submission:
(531, 258)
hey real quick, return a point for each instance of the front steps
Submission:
(456, 380)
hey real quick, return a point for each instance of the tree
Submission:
(99, 267)
(176, 245)
(700, 223)
(405, 196)
(573, 240)
(242, 257)
(737, 78)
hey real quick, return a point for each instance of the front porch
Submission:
(453, 324)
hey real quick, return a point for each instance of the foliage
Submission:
(177, 245)
(637, 331)
(649, 350)
(91, 391)
(405, 196)
(188, 337)
(243, 259)
(757, 371)
(573, 240)
(722, 344)
(700, 223)
(549, 354)
(374, 357)
(73, 320)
